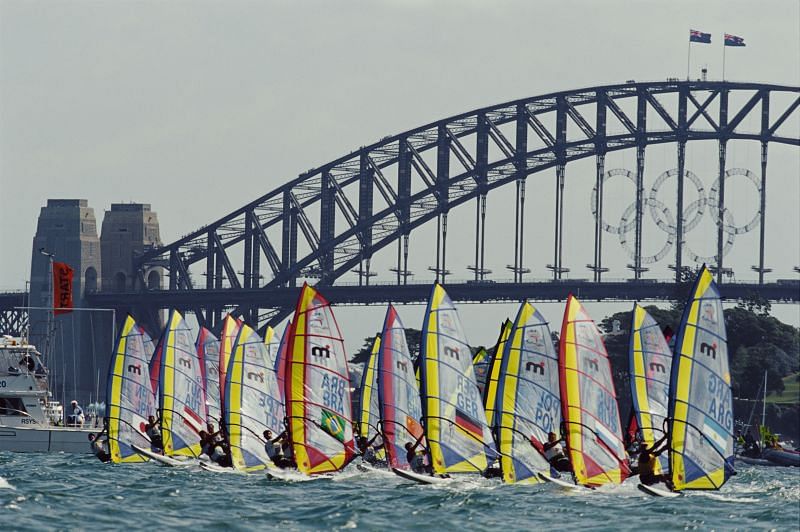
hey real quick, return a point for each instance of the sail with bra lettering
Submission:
(701, 405)
(398, 394)
(490, 389)
(318, 401)
(182, 394)
(528, 405)
(253, 403)
(129, 395)
(589, 402)
(455, 422)
(650, 367)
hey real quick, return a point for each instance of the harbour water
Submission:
(62, 491)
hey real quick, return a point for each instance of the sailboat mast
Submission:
(764, 402)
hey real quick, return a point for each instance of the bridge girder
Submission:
(404, 181)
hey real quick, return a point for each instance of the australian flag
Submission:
(699, 36)
(733, 40)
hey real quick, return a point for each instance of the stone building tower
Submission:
(77, 346)
(129, 229)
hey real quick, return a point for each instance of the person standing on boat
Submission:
(76, 418)
(153, 431)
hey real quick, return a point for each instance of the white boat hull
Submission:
(46, 439)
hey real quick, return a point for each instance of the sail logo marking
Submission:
(657, 367)
(185, 362)
(535, 367)
(319, 351)
(135, 368)
(401, 365)
(709, 313)
(709, 349)
(452, 352)
(592, 363)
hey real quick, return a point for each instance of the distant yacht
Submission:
(29, 420)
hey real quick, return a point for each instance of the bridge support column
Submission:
(559, 223)
(483, 236)
(597, 267)
(679, 221)
(637, 255)
(761, 269)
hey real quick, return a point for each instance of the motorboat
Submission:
(30, 420)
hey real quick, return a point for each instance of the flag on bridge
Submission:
(699, 36)
(62, 288)
(733, 40)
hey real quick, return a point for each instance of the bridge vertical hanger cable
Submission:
(723, 145)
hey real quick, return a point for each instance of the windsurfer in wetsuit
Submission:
(416, 460)
(554, 453)
(367, 449)
(153, 431)
(99, 444)
(648, 458)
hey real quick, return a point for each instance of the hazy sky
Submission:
(198, 107)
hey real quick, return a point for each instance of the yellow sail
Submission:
(490, 389)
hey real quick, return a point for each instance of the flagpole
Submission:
(688, 58)
(723, 58)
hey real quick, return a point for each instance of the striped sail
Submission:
(317, 384)
(650, 367)
(280, 359)
(455, 422)
(129, 395)
(490, 390)
(182, 395)
(589, 402)
(253, 402)
(369, 415)
(398, 393)
(528, 399)
(208, 351)
(701, 406)
(230, 330)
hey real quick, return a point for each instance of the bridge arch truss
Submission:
(343, 212)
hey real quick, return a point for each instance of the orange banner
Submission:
(62, 288)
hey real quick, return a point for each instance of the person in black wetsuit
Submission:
(554, 454)
(153, 431)
(648, 459)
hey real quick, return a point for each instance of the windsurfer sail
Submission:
(369, 414)
(208, 351)
(318, 388)
(490, 389)
(230, 330)
(650, 367)
(280, 359)
(400, 406)
(181, 393)
(528, 405)
(455, 423)
(589, 402)
(253, 403)
(701, 405)
(130, 397)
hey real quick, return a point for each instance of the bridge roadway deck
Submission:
(788, 291)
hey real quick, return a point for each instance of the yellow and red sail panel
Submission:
(701, 405)
(589, 402)
(318, 388)
(280, 359)
(230, 330)
(182, 394)
(129, 394)
(650, 367)
(528, 400)
(490, 389)
(253, 403)
(455, 422)
(369, 414)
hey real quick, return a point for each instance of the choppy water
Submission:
(77, 492)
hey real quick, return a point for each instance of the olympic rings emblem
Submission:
(665, 220)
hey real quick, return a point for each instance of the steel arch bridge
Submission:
(348, 209)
